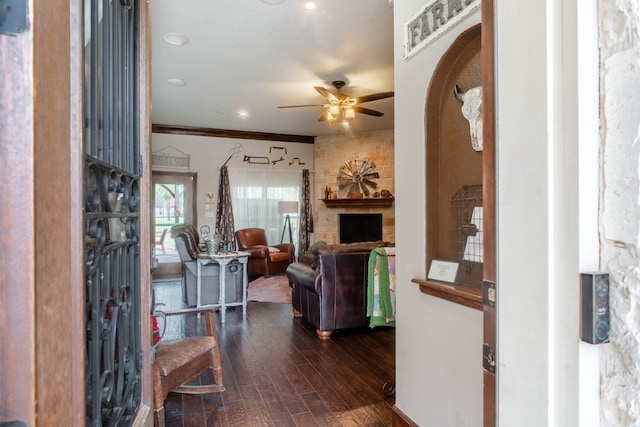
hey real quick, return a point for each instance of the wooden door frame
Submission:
(489, 202)
(41, 227)
(41, 216)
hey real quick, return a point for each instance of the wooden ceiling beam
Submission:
(228, 133)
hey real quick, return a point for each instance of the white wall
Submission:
(438, 343)
(208, 154)
(538, 316)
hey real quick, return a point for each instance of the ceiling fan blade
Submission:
(363, 110)
(305, 105)
(324, 92)
(374, 97)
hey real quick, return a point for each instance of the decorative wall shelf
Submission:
(471, 296)
(358, 203)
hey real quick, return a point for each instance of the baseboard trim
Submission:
(400, 419)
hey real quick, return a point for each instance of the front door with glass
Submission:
(173, 203)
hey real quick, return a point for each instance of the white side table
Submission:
(223, 260)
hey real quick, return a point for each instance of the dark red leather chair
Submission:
(264, 259)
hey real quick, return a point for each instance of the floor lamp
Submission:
(287, 207)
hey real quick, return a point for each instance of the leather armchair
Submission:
(331, 293)
(187, 244)
(264, 259)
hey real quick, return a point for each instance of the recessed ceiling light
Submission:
(177, 82)
(176, 39)
(243, 114)
(310, 5)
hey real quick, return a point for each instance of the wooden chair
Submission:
(160, 241)
(180, 361)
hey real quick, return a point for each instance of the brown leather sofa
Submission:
(331, 293)
(188, 246)
(262, 260)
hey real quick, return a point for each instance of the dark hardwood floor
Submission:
(277, 373)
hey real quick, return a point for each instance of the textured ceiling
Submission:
(255, 55)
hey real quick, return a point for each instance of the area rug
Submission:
(273, 289)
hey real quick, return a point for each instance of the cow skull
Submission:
(472, 111)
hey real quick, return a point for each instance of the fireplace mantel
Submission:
(358, 203)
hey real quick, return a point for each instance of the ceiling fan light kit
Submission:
(341, 107)
(349, 113)
(340, 114)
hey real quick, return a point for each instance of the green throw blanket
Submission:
(381, 287)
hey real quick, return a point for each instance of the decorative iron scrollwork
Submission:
(112, 277)
(112, 168)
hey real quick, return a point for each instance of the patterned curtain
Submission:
(306, 215)
(224, 213)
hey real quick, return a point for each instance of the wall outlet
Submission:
(462, 418)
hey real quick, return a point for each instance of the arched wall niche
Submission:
(451, 161)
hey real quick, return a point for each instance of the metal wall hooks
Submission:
(278, 148)
(263, 160)
(256, 160)
(234, 151)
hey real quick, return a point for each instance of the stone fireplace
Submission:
(331, 152)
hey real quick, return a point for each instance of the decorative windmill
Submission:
(356, 176)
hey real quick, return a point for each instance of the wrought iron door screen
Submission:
(112, 170)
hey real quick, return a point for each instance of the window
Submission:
(255, 194)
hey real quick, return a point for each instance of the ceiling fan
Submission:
(340, 106)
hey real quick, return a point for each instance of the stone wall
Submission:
(330, 154)
(620, 208)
